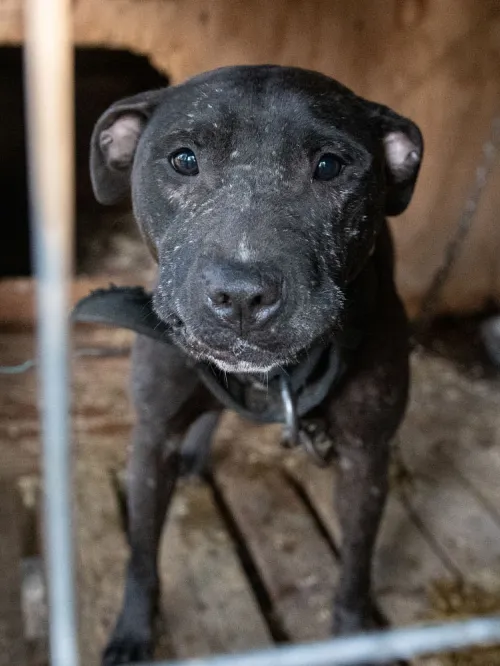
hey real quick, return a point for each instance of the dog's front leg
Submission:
(151, 482)
(364, 417)
(163, 389)
(361, 495)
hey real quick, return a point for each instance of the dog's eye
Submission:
(329, 166)
(184, 161)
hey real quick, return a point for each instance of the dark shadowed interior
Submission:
(102, 77)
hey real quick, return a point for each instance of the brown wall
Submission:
(437, 61)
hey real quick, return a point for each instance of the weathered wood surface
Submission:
(450, 446)
(436, 62)
(12, 646)
(19, 427)
(208, 605)
(254, 559)
(295, 563)
(18, 296)
(404, 561)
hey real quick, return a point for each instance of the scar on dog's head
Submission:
(260, 192)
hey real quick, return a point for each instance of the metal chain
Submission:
(490, 152)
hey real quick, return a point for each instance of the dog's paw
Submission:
(351, 621)
(347, 623)
(128, 649)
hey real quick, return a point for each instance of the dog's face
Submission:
(260, 192)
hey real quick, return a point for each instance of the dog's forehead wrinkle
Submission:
(274, 113)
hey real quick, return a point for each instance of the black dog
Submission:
(262, 194)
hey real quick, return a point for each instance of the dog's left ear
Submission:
(403, 149)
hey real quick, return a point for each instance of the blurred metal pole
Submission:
(380, 647)
(49, 95)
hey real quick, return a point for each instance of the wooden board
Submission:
(470, 448)
(101, 557)
(294, 560)
(467, 535)
(207, 603)
(453, 425)
(12, 647)
(404, 561)
(480, 470)
(18, 295)
(272, 511)
(19, 423)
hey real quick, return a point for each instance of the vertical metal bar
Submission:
(49, 94)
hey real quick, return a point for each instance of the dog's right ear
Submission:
(113, 144)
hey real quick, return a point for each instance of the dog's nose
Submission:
(244, 297)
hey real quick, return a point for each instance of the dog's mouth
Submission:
(229, 365)
(238, 355)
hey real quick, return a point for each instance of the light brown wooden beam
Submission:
(18, 295)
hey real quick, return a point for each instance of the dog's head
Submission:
(260, 192)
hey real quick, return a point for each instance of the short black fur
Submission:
(255, 261)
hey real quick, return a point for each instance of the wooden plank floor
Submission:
(251, 559)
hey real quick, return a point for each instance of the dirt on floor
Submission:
(459, 600)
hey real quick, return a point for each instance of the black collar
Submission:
(259, 398)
